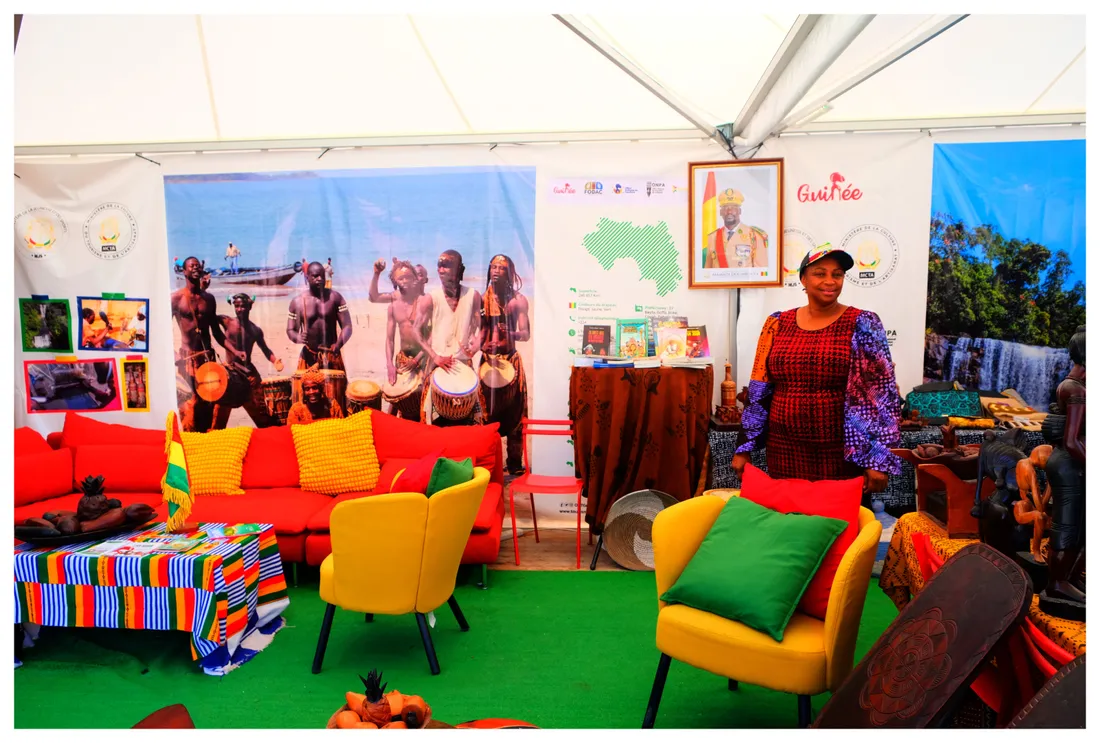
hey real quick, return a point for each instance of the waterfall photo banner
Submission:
(1006, 266)
(45, 325)
(388, 248)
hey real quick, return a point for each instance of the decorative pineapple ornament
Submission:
(93, 503)
(376, 708)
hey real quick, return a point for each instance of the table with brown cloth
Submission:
(901, 578)
(639, 429)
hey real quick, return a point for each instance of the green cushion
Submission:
(754, 565)
(447, 473)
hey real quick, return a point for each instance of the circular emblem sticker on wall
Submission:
(110, 231)
(796, 244)
(39, 230)
(875, 252)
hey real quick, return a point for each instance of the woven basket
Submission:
(628, 531)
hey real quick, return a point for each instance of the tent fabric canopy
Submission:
(140, 81)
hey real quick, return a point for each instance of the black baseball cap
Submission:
(826, 251)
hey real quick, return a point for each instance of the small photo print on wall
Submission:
(46, 325)
(135, 383)
(114, 324)
(59, 386)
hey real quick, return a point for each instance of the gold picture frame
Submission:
(750, 253)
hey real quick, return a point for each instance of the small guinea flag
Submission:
(175, 485)
(572, 305)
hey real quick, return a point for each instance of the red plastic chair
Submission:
(531, 483)
(1007, 687)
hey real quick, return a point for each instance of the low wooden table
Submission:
(221, 591)
(901, 578)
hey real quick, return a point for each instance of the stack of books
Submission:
(645, 344)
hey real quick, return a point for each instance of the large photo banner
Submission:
(1006, 267)
(312, 294)
(867, 195)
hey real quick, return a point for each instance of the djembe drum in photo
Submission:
(499, 385)
(238, 389)
(363, 394)
(211, 381)
(336, 385)
(404, 395)
(454, 391)
(277, 397)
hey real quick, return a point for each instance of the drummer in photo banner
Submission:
(505, 322)
(456, 309)
(315, 405)
(241, 335)
(196, 312)
(406, 327)
(313, 319)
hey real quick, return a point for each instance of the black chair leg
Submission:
(483, 584)
(658, 690)
(322, 639)
(370, 617)
(596, 554)
(733, 685)
(433, 662)
(804, 712)
(457, 611)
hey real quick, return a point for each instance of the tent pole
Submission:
(934, 125)
(782, 57)
(489, 138)
(822, 47)
(880, 63)
(644, 79)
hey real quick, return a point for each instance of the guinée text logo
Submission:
(838, 190)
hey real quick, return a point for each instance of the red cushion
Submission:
(41, 476)
(837, 499)
(69, 502)
(271, 460)
(29, 441)
(417, 474)
(287, 509)
(397, 437)
(390, 469)
(80, 430)
(126, 468)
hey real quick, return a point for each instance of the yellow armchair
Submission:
(419, 540)
(815, 656)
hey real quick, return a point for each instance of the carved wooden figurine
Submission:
(1032, 507)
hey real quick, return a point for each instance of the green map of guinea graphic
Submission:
(650, 246)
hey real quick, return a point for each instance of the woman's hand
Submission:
(874, 481)
(739, 462)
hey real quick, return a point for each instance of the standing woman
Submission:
(823, 399)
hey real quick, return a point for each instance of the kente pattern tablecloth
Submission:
(227, 592)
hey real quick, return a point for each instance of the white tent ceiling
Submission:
(217, 82)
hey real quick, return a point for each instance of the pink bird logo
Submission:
(836, 179)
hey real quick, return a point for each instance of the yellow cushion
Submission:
(730, 649)
(214, 460)
(337, 455)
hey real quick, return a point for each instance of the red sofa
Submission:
(132, 461)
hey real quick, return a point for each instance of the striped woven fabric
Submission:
(218, 591)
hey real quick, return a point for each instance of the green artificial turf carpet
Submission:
(556, 649)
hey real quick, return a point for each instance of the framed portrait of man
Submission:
(735, 229)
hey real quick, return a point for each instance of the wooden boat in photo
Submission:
(266, 276)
